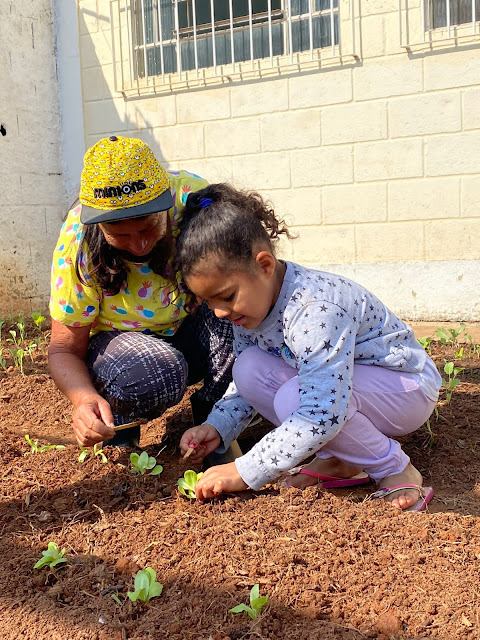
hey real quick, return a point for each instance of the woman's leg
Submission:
(206, 342)
(140, 376)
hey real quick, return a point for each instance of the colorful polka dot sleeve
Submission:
(146, 302)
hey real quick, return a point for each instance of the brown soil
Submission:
(333, 565)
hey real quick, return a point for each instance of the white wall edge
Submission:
(420, 291)
(70, 94)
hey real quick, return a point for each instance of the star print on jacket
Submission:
(322, 324)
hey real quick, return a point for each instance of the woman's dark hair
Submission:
(225, 221)
(107, 268)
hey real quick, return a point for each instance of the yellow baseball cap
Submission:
(122, 179)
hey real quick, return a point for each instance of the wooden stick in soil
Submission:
(127, 425)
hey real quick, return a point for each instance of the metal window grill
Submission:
(174, 44)
(436, 21)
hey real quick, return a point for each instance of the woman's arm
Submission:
(92, 418)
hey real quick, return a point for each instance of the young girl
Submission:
(317, 354)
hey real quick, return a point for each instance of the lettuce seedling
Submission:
(256, 603)
(51, 556)
(96, 450)
(36, 447)
(143, 463)
(146, 586)
(186, 485)
(38, 319)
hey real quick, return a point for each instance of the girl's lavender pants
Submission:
(385, 404)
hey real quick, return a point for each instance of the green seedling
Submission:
(116, 598)
(3, 362)
(451, 381)
(18, 356)
(51, 557)
(94, 451)
(450, 336)
(146, 586)
(458, 354)
(31, 348)
(38, 319)
(430, 440)
(186, 485)
(426, 343)
(21, 330)
(13, 340)
(2, 322)
(256, 603)
(36, 447)
(143, 463)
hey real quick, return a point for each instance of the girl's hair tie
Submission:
(205, 202)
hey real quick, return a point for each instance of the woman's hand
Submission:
(93, 421)
(221, 479)
(203, 439)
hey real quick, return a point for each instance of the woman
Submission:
(126, 336)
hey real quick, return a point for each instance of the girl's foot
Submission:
(329, 467)
(408, 497)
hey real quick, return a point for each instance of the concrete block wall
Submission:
(375, 163)
(33, 196)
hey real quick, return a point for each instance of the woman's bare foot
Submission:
(408, 497)
(329, 467)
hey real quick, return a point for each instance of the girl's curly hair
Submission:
(227, 222)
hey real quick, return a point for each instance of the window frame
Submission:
(128, 48)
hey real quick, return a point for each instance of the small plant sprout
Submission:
(18, 356)
(13, 339)
(459, 354)
(430, 439)
(21, 329)
(51, 556)
(3, 362)
(256, 603)
(94, 451)
(426, 343)
(186, 485)
(38, 319)
(2, 322)
(450, 336)
(32, 345)
(143, 463)
(146, 586)
(36, 447)
(451, 381)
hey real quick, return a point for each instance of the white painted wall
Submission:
(376, 164)
(33, 195)
(70, 94)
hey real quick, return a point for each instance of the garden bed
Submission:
(332, 565)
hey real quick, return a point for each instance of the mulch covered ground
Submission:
(333, 565)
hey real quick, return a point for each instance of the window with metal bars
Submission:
(168, 34)
(459, 12)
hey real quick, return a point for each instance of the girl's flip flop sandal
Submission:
(330, 482)
(425, 494)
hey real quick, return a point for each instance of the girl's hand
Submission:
(221, 479)
(203, 439)
(93, 421)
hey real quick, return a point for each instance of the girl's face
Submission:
(243, 297)
(136, 237)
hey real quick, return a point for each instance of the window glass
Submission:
(460, 12)
(150, 25)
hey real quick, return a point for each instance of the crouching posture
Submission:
(318, 355)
